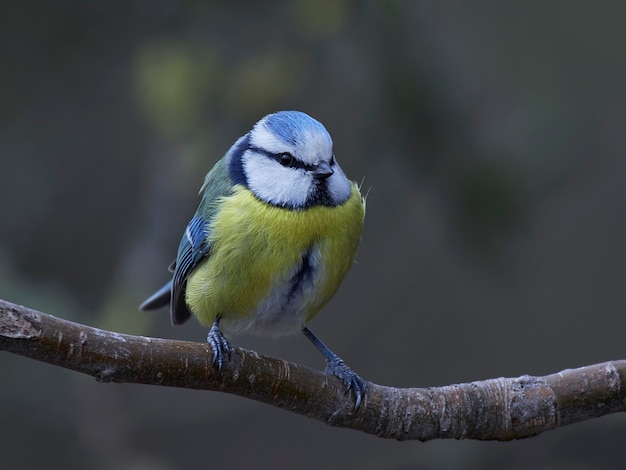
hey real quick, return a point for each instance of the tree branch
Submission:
(495, 409)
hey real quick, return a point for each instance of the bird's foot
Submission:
(338, 368)
(350, 379)
(219, 345)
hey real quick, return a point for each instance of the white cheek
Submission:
(276, 184)
(338, 186)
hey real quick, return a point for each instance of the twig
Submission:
(495, 409)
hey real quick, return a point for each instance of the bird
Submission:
(276, 231)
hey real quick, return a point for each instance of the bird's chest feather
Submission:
(270, 267)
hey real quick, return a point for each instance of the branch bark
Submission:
(494, 409)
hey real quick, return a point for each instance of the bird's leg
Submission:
(336, 366)
(219, 345)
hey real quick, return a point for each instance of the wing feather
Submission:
(195, 244)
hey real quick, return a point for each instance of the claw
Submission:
(219, 345)
(350, 379)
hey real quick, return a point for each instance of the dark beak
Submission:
(322, 171)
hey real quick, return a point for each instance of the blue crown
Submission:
(292, 126)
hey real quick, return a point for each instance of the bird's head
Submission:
(287, 160)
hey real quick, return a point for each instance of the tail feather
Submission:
(159, 299)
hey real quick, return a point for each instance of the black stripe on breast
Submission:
(302, 276)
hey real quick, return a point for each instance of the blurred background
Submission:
(489, 135)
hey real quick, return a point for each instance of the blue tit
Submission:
(276, 231)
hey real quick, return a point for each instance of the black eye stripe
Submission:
(294, 163)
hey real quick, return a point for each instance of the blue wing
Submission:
(193, 248)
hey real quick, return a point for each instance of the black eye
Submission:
(286, 159)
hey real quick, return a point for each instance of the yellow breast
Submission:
(272, 269)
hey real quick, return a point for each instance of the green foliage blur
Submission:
(488, 135)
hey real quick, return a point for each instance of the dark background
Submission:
(490, 136)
